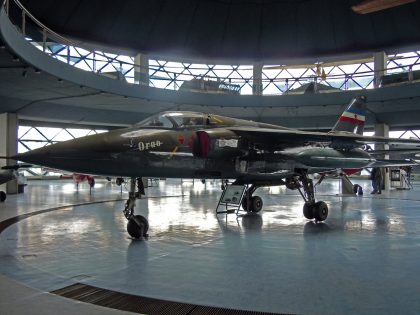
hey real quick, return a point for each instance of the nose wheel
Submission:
(137, 225)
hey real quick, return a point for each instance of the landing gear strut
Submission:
(311, 209)
(252, 203)
(137, 225)
(2, 196)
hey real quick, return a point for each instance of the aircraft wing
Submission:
(292, 138)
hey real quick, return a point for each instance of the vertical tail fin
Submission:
(353, 118)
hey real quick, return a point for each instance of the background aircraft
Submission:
(5, 176)
(197, 145)
(77, 178)
(8, 173)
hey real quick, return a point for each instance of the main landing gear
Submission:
(239, 194)
(137, 225)
(300, 181)
(311, 209)
(252, 203)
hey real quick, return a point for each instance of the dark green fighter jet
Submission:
(205, 146)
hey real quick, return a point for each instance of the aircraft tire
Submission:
(308, 210)
(91, 183)
(320, 211)
(137, 226)
(256, 204)
(2, 196)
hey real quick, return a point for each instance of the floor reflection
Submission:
(196, 256)
(312, 227)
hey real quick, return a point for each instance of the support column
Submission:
(380, 60)
(141, 69)
(257, 86)
(382, 130)
(8, 146)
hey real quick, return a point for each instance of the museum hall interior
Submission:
(169, 157)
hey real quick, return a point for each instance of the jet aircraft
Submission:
(5, 176)
(8, 173)
(206, 146)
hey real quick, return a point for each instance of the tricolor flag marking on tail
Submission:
(354, 116)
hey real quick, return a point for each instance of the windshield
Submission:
(157, 121)
(187, 119)
(174, 120)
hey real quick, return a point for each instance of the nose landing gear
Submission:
(137, 225)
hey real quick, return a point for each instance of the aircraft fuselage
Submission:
(154, 152)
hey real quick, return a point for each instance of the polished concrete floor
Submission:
(364, 259)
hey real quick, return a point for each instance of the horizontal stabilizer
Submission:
(373, 139)
(393, 163)
(16, 166)
(400, 151)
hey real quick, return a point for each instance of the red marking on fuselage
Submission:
(181, 139)
(347, 171)
(351, 171)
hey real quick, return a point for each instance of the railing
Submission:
(275, 80)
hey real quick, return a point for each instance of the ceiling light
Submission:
(370, 6)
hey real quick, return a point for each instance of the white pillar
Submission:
(8, 146)
(382, 130)
(257, 86)
(141, 69)
(379, 65)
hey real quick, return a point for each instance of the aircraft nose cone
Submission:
(78, 155)
(36, 156)
(54, 155)
(93, 154)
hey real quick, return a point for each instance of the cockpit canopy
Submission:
(175, 120)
